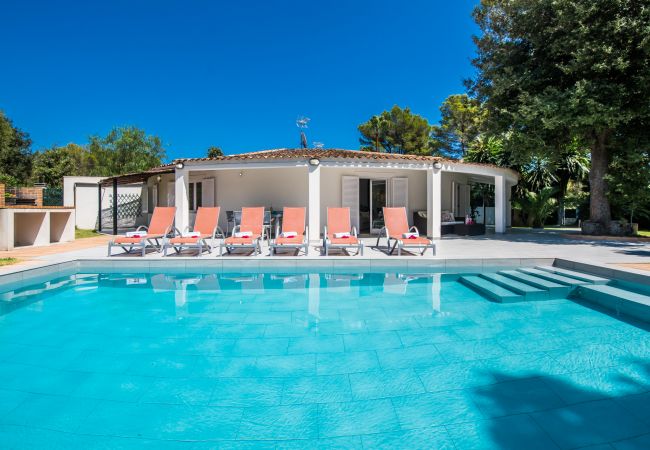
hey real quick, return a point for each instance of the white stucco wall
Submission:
(272, 188)
(331, 186)
(447, 179)
(81, 194)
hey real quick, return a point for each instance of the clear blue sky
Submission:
(234, 74)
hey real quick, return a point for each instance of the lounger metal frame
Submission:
(273, 246)
(400, 243)
(327, 245)
(201, 244)
(256, 244)
(144, 244)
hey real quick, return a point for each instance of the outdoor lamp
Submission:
(314, 162)
(437, 165)
(158, 178)
(180, 165)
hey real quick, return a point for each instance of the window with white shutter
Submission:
(400, 192)
(350, 197)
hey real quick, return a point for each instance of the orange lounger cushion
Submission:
(187, 240)
(132, 240)
(415, 241)
(291, 240)
(341, 241)
(240, 241)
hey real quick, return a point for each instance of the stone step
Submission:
(555, 278)
(526, 290)
(555, 290)
(491, 290)
(617, 300)
(573, 274)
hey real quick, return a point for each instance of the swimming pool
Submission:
(312, 359)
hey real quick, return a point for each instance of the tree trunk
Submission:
(564, 183)
(599, 210)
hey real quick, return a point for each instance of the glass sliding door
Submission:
(378, 192)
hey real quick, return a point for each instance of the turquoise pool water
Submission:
(312, 360)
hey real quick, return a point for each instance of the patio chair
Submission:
(397, 229)
(205, 228)
(252, 222)
(293, 222)
(161, 225)
(339, 233)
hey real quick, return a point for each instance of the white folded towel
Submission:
(289, 234)
(191, 234)
(342, 235)
(244, 234)
(136, 234)
(411, 235)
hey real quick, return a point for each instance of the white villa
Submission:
(322, 178)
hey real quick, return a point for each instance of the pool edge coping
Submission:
(449, 265)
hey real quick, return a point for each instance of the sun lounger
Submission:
(293, 221)
(162, 224)
(339, 233)
(248, 233)
(206, 230)
(397, 229)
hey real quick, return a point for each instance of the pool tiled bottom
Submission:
(313, 361)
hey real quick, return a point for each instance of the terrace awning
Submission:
(138, 177)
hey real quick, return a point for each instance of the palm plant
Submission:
(537, 205)
(572, 164)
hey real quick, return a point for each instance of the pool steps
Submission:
(577, 275)
(618, 300)
(490, 289)
(555, 290)
(526, 290)
(555, 278)
(548, 282)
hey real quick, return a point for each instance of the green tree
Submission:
(214, 152)
(558, 67)
(51, 165)
(537, 206)
(571, 164)
(15, 153)
(488, 150)
(460, 125)
(374, 133)
(124, 150)
(396, 131)
(629, 181)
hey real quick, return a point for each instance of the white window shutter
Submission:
(208, 192)
(454, 198)
(464, 195)
(350, 197)
(154, 197)
(171, 193)
(400, 193)
(144, 198)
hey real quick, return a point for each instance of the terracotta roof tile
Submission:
(293, 153)
(138, 177)
(334, 153)
(300, 153)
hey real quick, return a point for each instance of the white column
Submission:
(314, 202)
(508, 206)
(182, 188)
(434, 202)
(500, 203)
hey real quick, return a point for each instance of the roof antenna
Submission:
(301, 123)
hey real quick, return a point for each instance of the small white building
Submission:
(322, 178)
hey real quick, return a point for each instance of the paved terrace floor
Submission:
(632, 254)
